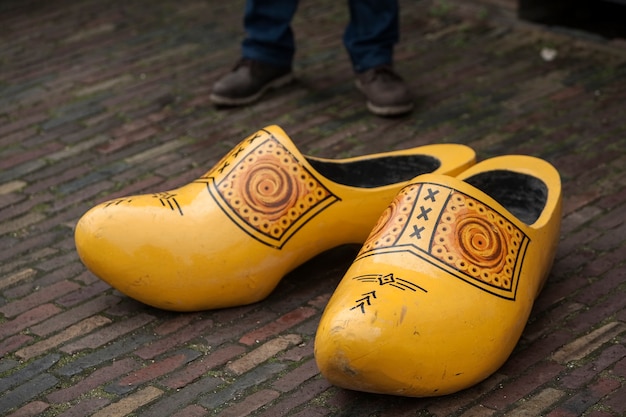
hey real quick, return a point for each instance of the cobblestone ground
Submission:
(101, 99)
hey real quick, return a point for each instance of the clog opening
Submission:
(523, 195)
(376, 172)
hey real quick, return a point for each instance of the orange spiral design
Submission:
(481, 243)
(389, 224)
(268, 188)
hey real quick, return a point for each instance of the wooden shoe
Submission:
(227, 238)
(440, 292)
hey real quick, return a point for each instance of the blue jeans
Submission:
(369, 38)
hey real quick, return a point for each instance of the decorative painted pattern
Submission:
(388, 280)
(168, 200)
(454, 232)
(265, 190)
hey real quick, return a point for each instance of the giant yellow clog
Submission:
(440, 292)
(228, 238)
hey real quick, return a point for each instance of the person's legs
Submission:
(269, 37)
(372, 33)
(370, 38)
(266, 54)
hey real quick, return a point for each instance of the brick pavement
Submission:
(100, 99)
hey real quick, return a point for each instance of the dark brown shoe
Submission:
(386, 92)
(247, 82)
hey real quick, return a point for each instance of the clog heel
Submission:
(227, 238)
(441, 290)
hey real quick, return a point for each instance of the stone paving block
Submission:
(130, 403)
(153, 371)
(512, 391)
(21, 222)
(21, 170)
(71, 113)
(112, 351)
(29, 155)
(250, 404)
(480, 411)
(8, 201)
(128, 139)
(168, 405)
(32, 247)
(137, 187)
(85, 407)
(620, 368)
(28, 372)
(60, 261)
(277, 326)
(97, 378)
(594, 317)
(538, 403)
(11, 186)
(299, 352)
(584, 374)
(12, 343)
(83, 294)
(103, 85)
(262, 353)
(182, 336)
(106, 334)
(610, 240)
(237, 327)
(18, 136)
(235, 388)
(44, 295)
(27, 391)
(586, 344)
(305, 393)
(27, 319)
(582, 401)
(74, 315)
(297, 376)
(443, 406)
(615, 401)
(155, 152)
(7, 364)
(191, 411)
(551, 320)
(126, 307)
(313, 412)
(69, 270)
(559, 412)
(35, 408)
(61, 172)
(197, 368)
(70, 333)
(174, 323)
(538, 350)
(16, 277)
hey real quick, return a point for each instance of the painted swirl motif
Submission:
(477, 241)
(270, 190)
(392, 220)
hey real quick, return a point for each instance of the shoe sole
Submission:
(389, 110)
(230, 101)
(379, 110)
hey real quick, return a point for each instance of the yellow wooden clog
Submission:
(228, 238)
(440, 292)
